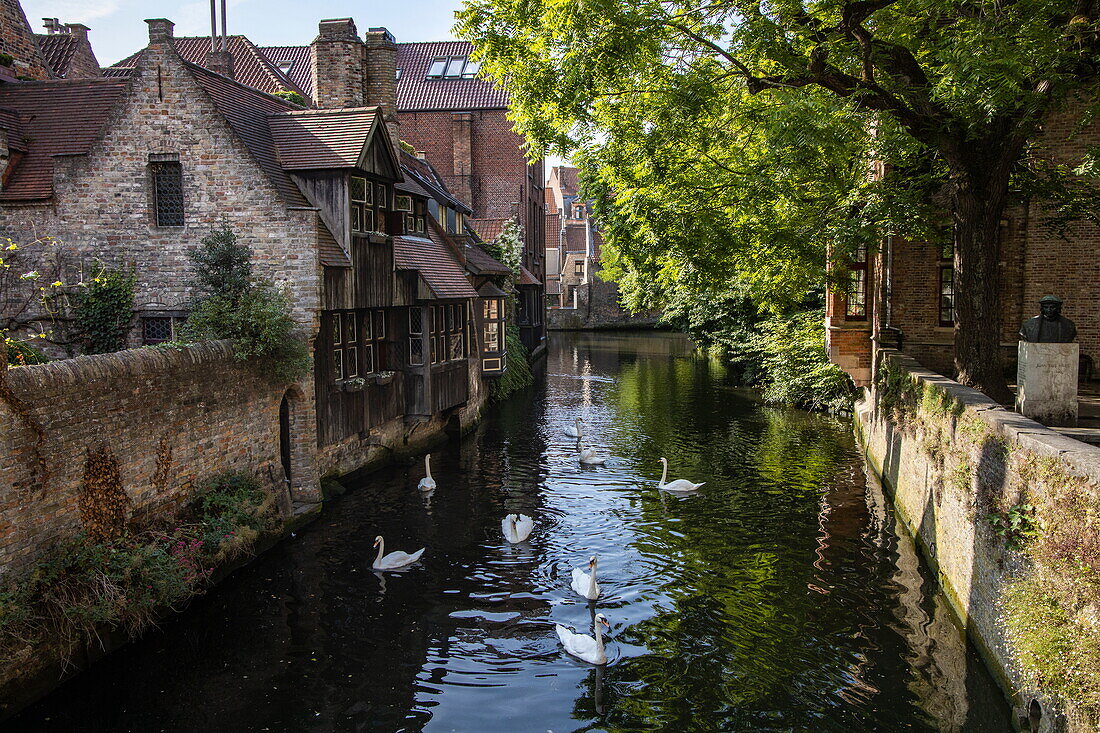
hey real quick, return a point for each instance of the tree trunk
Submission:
(979, 205)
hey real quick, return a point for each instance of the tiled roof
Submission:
(526, 277)
(480, 262)
(490, 290)
(487, 229)
(435, 262)
(301, 64)
(568, 179)
(57, 49)
(553, 230)
(250, 66)
(417, 93)
(118, 72)
(13, 126)
(330, 252)
(247, 110)
(425, 178)
(322, 138)
(59, 117)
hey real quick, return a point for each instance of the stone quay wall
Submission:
(959, 467)
(597, 307)
(170, 417)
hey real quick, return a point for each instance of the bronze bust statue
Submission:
(1051, 327)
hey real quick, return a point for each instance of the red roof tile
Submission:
(59, 117)
(250, 66)
(323, 138)
(301, 64)
(526, 277)
(576, 238)
(568, 179)
(487, 229)
(436, 263)
(480, 262)
(57, 49)
(553, 230)
(415, 92)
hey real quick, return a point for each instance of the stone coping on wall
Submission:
(1081, 458)
(128, 363)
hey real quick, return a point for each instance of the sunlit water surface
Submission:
(780, 598)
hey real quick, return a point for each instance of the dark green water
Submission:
(781, 598)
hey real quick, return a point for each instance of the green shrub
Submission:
(254, 313)
(20, 353)
(292, 97)
(794, 368)
(103, 309)
(81, 586)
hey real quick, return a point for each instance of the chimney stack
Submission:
(53, 25)
(219, 58)
(160, 31)
(337, 58)
(78, 31)
(380, 71)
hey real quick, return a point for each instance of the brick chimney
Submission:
(160, 31)
(79, 31)
(220, 62)
(337, 58)
(52, 25)
(381, 79)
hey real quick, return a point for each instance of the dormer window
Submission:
(285, 66)
(368, 202)
(453, 67)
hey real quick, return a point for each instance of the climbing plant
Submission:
(103, 309)
(506, 248)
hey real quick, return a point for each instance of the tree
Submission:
(773, 112)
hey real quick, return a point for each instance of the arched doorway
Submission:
(284, 439)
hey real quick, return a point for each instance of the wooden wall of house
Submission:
(450, 384)
(328, 191)
(369, 283)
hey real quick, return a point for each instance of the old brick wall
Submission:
(171, 418)
(84, 64)
(17, 40)
(102, 206)
(597, 307)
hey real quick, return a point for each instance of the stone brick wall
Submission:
(17, 40)
(172, 418)
(949, 460)
(83, 64)
(597, 307)
(103, 207)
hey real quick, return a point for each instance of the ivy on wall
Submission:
(104, 308)
(103, 502)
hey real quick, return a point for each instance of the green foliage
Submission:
(21, 353)
(734, 141)
(1058, 649)
(408, 148)
(517, 373)
(104, 308)
(6, 59)
(223, 266)
(254, 313)
(258, 320)
(81, 585)
(292, 97)
(794, 367)
(508, 245)
(1017, 526)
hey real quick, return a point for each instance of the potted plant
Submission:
(383, 377)
(355, 384)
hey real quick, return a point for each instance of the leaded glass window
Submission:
(167, 193)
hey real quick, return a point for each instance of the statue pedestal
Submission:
(1046, 383)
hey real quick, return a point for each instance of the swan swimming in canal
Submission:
(517, 527)
(575, 430)
(427, 483)
(583, 646)
(585, 584)
(680, 485)
(588, 457)
(396, 560)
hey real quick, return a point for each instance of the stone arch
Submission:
(296, 440)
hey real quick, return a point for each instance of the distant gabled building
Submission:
(63, 52)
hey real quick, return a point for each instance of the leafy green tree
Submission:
(735, 137)
(223, 266)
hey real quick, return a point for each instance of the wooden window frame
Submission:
(855, 309)
(946, 275)
(416, 337)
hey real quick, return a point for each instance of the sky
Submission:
(118, 27)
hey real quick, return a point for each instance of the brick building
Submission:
(903, 292)
(453, 119)
(135, 169)
(63, 52)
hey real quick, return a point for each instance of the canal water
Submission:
(782, 597)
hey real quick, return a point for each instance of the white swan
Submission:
(575, 430)
(584, 584)
(583, 646)
(517, 528)
(680, 485)
(396, 560)
(588, 457)
(427, 483)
